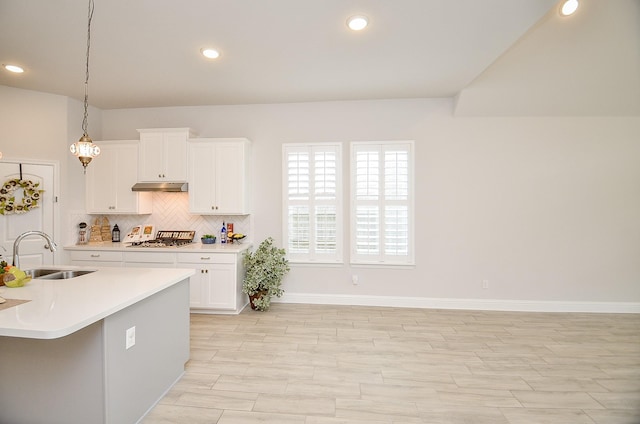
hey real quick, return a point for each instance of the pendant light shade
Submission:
(84, 149)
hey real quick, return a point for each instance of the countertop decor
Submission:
(190, 248)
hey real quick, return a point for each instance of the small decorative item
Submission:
(105, 229)
(82, 234)
(30, 196)
(115, 234)
(208, 239)
(235, 237)
(95, 234)
(265, 269)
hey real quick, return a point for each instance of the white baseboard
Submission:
(468, 304)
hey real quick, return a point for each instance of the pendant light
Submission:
(84, 148)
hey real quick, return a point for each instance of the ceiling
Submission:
(146, 53)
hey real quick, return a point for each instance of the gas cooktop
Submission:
(168, 239)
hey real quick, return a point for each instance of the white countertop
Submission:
(192, 247)
(60, 307)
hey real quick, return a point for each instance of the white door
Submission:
(33, 250)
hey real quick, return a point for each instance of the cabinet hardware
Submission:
(205, 258)
(95, 256)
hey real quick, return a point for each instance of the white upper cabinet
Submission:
(218, 176)
(163, 154)
(110, 177)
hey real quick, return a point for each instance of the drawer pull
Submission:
(205, 258)
(95, 256)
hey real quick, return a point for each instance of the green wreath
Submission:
(30, 197)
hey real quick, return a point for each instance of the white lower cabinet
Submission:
(217, 285)
(216, 288)
(96, 258)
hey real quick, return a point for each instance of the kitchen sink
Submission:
(39, 273)
(56, 274)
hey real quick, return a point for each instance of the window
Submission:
(313, 199)
(382, 203)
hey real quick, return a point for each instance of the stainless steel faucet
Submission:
(16, 244)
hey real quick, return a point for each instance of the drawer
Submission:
(96, 256)
(150, 257)
(207, 258)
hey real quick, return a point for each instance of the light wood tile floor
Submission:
(312, 364)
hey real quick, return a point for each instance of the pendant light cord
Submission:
(86, 80)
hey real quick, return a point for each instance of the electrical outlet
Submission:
(485, 284)
(130, 337)
(354, 279)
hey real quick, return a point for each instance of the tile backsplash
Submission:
(170, 212)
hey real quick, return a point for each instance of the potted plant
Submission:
(208, 239)
(265, 269)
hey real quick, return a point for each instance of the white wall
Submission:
(545, 209)
(41, 126)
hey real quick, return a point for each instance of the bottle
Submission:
(223, 233)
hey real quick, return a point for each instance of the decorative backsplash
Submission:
(170, 212)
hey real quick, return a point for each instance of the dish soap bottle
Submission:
(223, 233)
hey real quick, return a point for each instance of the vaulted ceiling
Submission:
(497, 57)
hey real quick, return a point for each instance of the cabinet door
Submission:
(201, 178)
(110, 178)
(175, 156)
(197, 286)
(150, 163)
(222, 286)
(163, 155)
(125, 176)
(100, 188)
(218, 176)
(229, 177)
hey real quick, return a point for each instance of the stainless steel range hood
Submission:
(166, 187)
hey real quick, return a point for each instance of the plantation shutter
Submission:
(312, 181)
(382, 203)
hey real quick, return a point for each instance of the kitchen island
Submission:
(98, 348)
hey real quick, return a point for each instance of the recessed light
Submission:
(14, 68)
(569, 7)
(358, 22)
(210, 53)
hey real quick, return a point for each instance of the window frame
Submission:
(313, 256)
(381, 258)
